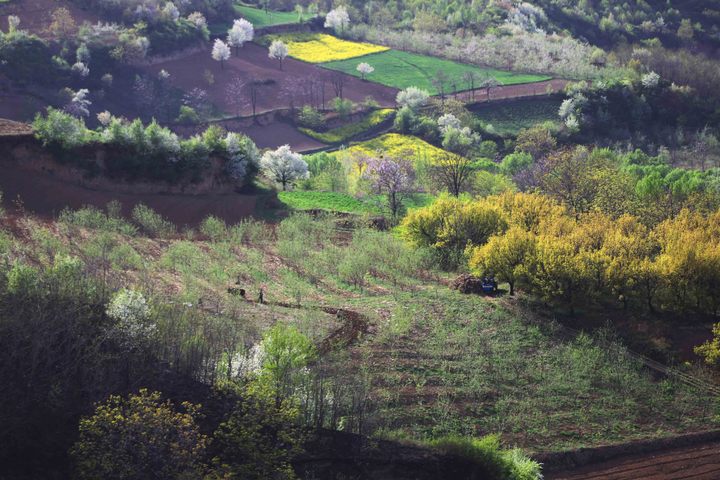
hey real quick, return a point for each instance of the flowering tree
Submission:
(392, 177)
(365, 69)
(412, 97)
(284, 166)
(243, 155)
(220, 52)
(337, 19)
(198, 19)
(242, 31)
(79, 104)
(278, 50)
(131, 313)
(13, 23)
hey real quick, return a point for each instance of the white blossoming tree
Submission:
(198, 19)
(79, 104)
(412, 97)
(243, 154)
(337, 19)
(220, 52)
(13, 23)
(279, 51)
(284, 166)
(131, 314)
(650, 80)
(365, 69)
(242, 31)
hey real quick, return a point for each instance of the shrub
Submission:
(342, 106)
(60, 129)
(187, 116)
(213, 228)
(310, 117)
(152, 222)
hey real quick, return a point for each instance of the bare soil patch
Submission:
(47, 196)
(253, 63)
(701, 462)
(269, 132)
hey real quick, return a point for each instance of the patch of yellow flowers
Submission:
(395, 145)
(322, 48)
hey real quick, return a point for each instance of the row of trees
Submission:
(535, 243)
(148, 152)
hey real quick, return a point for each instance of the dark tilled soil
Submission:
(47, 196)
(265, 135)
(253, 62)
(701, 462)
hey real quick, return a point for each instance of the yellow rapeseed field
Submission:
(319, 48)
(396, 145)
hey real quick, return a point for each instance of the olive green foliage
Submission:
(259, 437)
(140, 437)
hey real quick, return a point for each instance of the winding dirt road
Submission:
(699, 462)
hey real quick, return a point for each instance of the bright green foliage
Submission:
(140, 437)
(262, 18)
(486, 451)
(400, 70)
(285, 352)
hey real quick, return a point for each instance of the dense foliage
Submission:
(148, 152)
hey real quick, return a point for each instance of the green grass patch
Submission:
(258, 17)
(402, 69)
(345, 203)
(512, 116)
(346, 132)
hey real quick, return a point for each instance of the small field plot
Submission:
(320, 48)
(346, 132)
(402, 69)
(346, 203)
(260, 18)
(511, 116)
(396, 145)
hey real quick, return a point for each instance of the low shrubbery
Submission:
(148, 152)
(501, 464)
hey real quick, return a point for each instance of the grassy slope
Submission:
(512, 116)
(438, 362)
(402, 69)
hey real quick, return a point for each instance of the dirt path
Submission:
(700, 462)
(514, 91)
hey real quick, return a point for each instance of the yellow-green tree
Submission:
(504, 256)
(140, 437)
